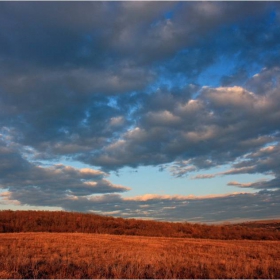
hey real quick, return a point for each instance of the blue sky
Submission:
(153, 110)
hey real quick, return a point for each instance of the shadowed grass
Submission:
(59, 221)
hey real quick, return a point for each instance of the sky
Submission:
(152, 110)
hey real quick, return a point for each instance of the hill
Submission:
(59, 221)
(263, 224)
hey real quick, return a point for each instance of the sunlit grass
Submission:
(78, 255)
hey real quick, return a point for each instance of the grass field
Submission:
(81, 255)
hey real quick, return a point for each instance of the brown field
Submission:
(82, 255)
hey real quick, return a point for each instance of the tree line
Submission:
(61, 221)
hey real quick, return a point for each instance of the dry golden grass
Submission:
(78, 255)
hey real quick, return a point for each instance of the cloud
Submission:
(181, 168)
(219, 127)
(265, 160)
(262, 184)
(234, 207)
(37, 185)
(204, 176)
(185, 85)
(88, 52)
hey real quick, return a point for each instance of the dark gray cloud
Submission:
(60, 59)
(198, 131)
(185, 86)
(34, 184)
(234, 207)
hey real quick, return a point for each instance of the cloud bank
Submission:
(183, 86)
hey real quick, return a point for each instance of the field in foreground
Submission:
(79, 255)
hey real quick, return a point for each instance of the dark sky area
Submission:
(188, 90)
